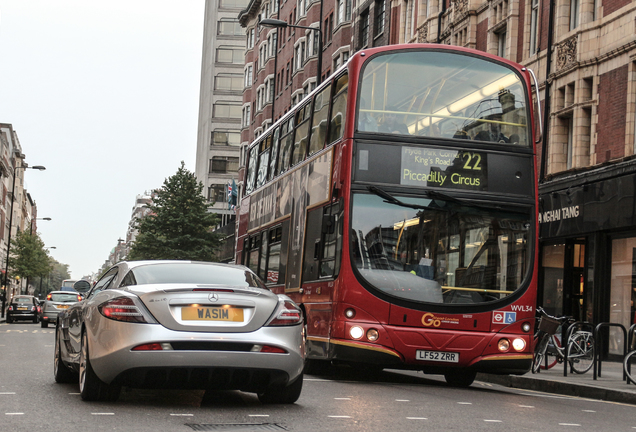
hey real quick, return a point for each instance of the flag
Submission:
(232, 195)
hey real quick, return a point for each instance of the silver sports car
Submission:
(181, 324)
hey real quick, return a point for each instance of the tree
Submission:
(28, 256)
(179, 225)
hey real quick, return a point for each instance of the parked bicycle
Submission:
(548, 350)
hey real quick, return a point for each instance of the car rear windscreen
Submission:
(61, 297)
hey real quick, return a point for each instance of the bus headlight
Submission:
(519, 344)
(503, 345)
(356, 332)
(373, 335)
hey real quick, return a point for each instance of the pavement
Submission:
(608, 386)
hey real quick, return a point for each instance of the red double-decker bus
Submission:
(397, 205)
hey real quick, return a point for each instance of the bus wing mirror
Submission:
(328, 224)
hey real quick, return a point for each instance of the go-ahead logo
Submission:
(430, 320)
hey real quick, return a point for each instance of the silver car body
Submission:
(59, 301)
(200, 351)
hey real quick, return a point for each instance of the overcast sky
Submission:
(105, 95)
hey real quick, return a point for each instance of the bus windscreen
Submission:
(443, 95)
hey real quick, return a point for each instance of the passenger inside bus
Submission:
(391, 123)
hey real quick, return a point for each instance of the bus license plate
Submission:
(438, 356)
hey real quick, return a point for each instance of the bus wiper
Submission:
(440, 195)
(388, 198)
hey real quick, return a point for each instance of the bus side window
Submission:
(274, 157)
(338, 110)
(262, 269)
(320, 120)
(284, 156)
(273, 255)
(302, 132)
(253, 258)
(251, 170)
(263, 161)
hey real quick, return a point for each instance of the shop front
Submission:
(587, 230)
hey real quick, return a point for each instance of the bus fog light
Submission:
(518, 344)
(356, 332)
(350, 313)
(526, 327)
(503, 345)
(373, 335)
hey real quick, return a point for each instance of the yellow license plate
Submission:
(62, 306)
(212, 314)
(23, 308)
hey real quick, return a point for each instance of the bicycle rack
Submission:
(597, 351)
(630, 341)
(575, 326)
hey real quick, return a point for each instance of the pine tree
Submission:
(179, 225)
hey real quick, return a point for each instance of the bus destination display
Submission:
(453, 169)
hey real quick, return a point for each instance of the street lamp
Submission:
(37, 219)
(6, 268)
(271, 22)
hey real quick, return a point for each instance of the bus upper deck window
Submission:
(338, 110)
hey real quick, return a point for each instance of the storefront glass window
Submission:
(623, 289)
(553, 258)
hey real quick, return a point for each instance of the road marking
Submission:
(492, 421)
(344, 398)
(259, 415)
(464, 403)
(316, 379)
(7, 393)
(416, 418)
(402, 400)
(182, 415)
(339, 416)
(569, 424)
(526, 406)
(13, 413)
(591, 411)
(102, 413)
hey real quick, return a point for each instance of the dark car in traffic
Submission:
(56, 302)
(23, 307)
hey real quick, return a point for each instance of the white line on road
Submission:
(569, 424)
(492, 421)
(7, 393)
(259, 415)
(464, 403)
(416, 418)
(339, 416)
(102, 413)
(342, 398)
(13, 413)
(592, 411)
(182, 415)
(526, 406)
(402, 400)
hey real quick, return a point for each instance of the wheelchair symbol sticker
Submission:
(504, 317)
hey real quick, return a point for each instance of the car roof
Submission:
(133, 264)
(63, 292)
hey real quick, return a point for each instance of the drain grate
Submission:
(238, 427)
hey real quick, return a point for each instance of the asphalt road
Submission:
(343, 400)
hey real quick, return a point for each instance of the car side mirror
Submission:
(82, 286)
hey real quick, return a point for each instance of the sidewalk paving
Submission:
(610, 386)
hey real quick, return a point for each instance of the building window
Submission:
(569, 124)
(248, 75)
(247, 116)
(229, 27)
(364, 28)
(344, 11)
(534, 27)
(223, 164)
(233, 4)
(501, 43)
(574, 14)
(226, 138)
(227, 110)
(217, 193)
(230, 55)
(250, 38)
(229, 82)
(379, 17)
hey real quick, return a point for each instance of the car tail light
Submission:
(49, 296)
(268, 349)
(287, 313)
(153, 347)
(79, 297)
(10, 308)
(124, 309)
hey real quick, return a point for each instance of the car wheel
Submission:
(44, 324)
(460, 378)
(91, 387)
(282, 395)
(61, 372)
